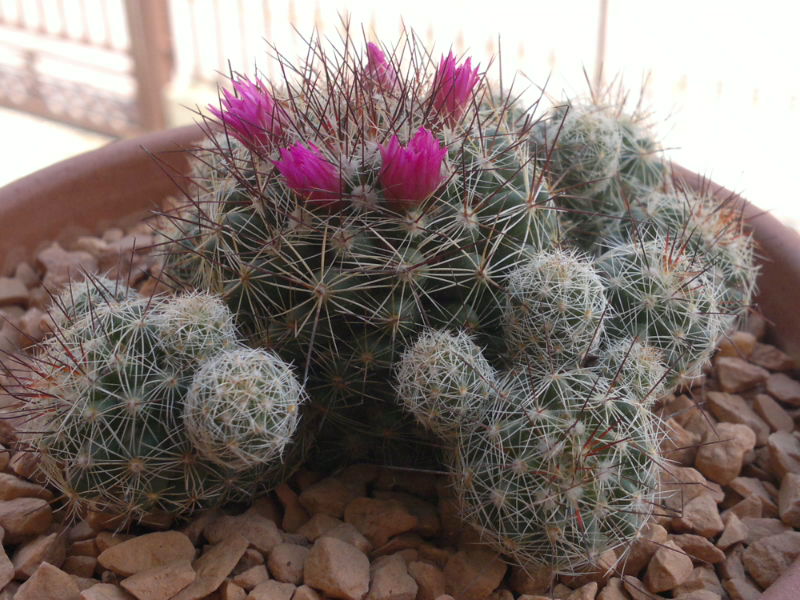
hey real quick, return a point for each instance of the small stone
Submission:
(294, 515)
(105, 591)
(789, 500)
(389, 580)
(160, 583)
(304, 592)
(698, 548)
(701, 516)
(378, 520)
(272, 590)
(739, 344)
(230, 591)
(262, 533)
(286, 562)
(83, 548)
(6, 568)
(750, 486)
(106, 539)
(198, 524)
(48, 583)
(23, 518)
(84, 583)
(784, 388)
(328, 496)
(585, 592)
(650, 538)
(12, 487)
(25, 273)
(741, 589)
(613, 590)
(473, 574)
(429, 578)
(49, 548)
(635, 588)
(668, 568)
(12, 291)
(435, 554)
(769, 557)
(681, 485)
(81, 566)
(702, 578)
(338, 569)
(720, 458)
(771, 358)
(679, 444)
(784, 453)
(737, 375)
(735, 532)
(146, 552)
(733, 409)
(773, 413)
(698, 595)
(534, 580)
(267, 507)
(761, 528)
(349, 534)
(213, 567)
(751, 506)
(61, 266)
(250, 578)
(317, 525)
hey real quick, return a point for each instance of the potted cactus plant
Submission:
(529, 285)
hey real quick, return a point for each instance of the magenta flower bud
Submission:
(410, 175)
(379, 70)
(251, 114)
(453, 88)
(308, 173)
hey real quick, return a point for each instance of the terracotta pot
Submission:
(122, 181)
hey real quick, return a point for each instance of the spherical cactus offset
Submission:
(637, 369)
(80, 298)
(555, 309)
(559, 471)
(444, 380)
(242, 408)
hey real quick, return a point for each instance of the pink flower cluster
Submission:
(309, 174)
(379, 70)
(410, 175)
(453, 88)
(250, 114)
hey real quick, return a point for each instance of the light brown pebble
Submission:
(49, 548)
(61, 266)
(769, 357)
(317, 525)
(6, 568)
(146, 552)
(13, 291)
(272, 590)
(378, 520)
(389, 580)
(213, 567)
(585, 592)
(668, 568)
(769, 557)
(750, 486)
(428, 523)
(48, 583)
(230, 591)
(773, 413)
(698, 548)
(732, 566)
(789, 500)
(25, 465)
(784, 453)
(737, 375)
(679, 444)
(700, 516)
(160, 583)
(82, 566)
(701, 578)
(328, 496)
(84, 583)
(105, 591)
(750, 506)
(739, 344)
(286, 562)
(741, 589)
(650, 538)
(24, 518)
(26, 274)
(681, 485)
(635, 588)
(294, 515)
(83, 548)
(304, 592)
(533, 580)
(721, 456)
(338, 569)
(106, 539)
(782, 387)
(199, 522)
(698, 595)
(613, 590)
(400, 543)
(763, 527)
(429, 578)
(250, 558)
(735, 532)
(473, 574)
(349, 534)
(251, 577)
(262, 533)
(732, 408)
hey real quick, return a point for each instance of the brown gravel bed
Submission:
(729, 530)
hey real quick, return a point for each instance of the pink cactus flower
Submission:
(379, 70)
(410, 175)
(453, 88)
(308, 173)
(250, 114)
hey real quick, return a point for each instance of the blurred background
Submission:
(721, 78)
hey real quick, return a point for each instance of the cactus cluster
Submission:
(142, 405)
(531, 285)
